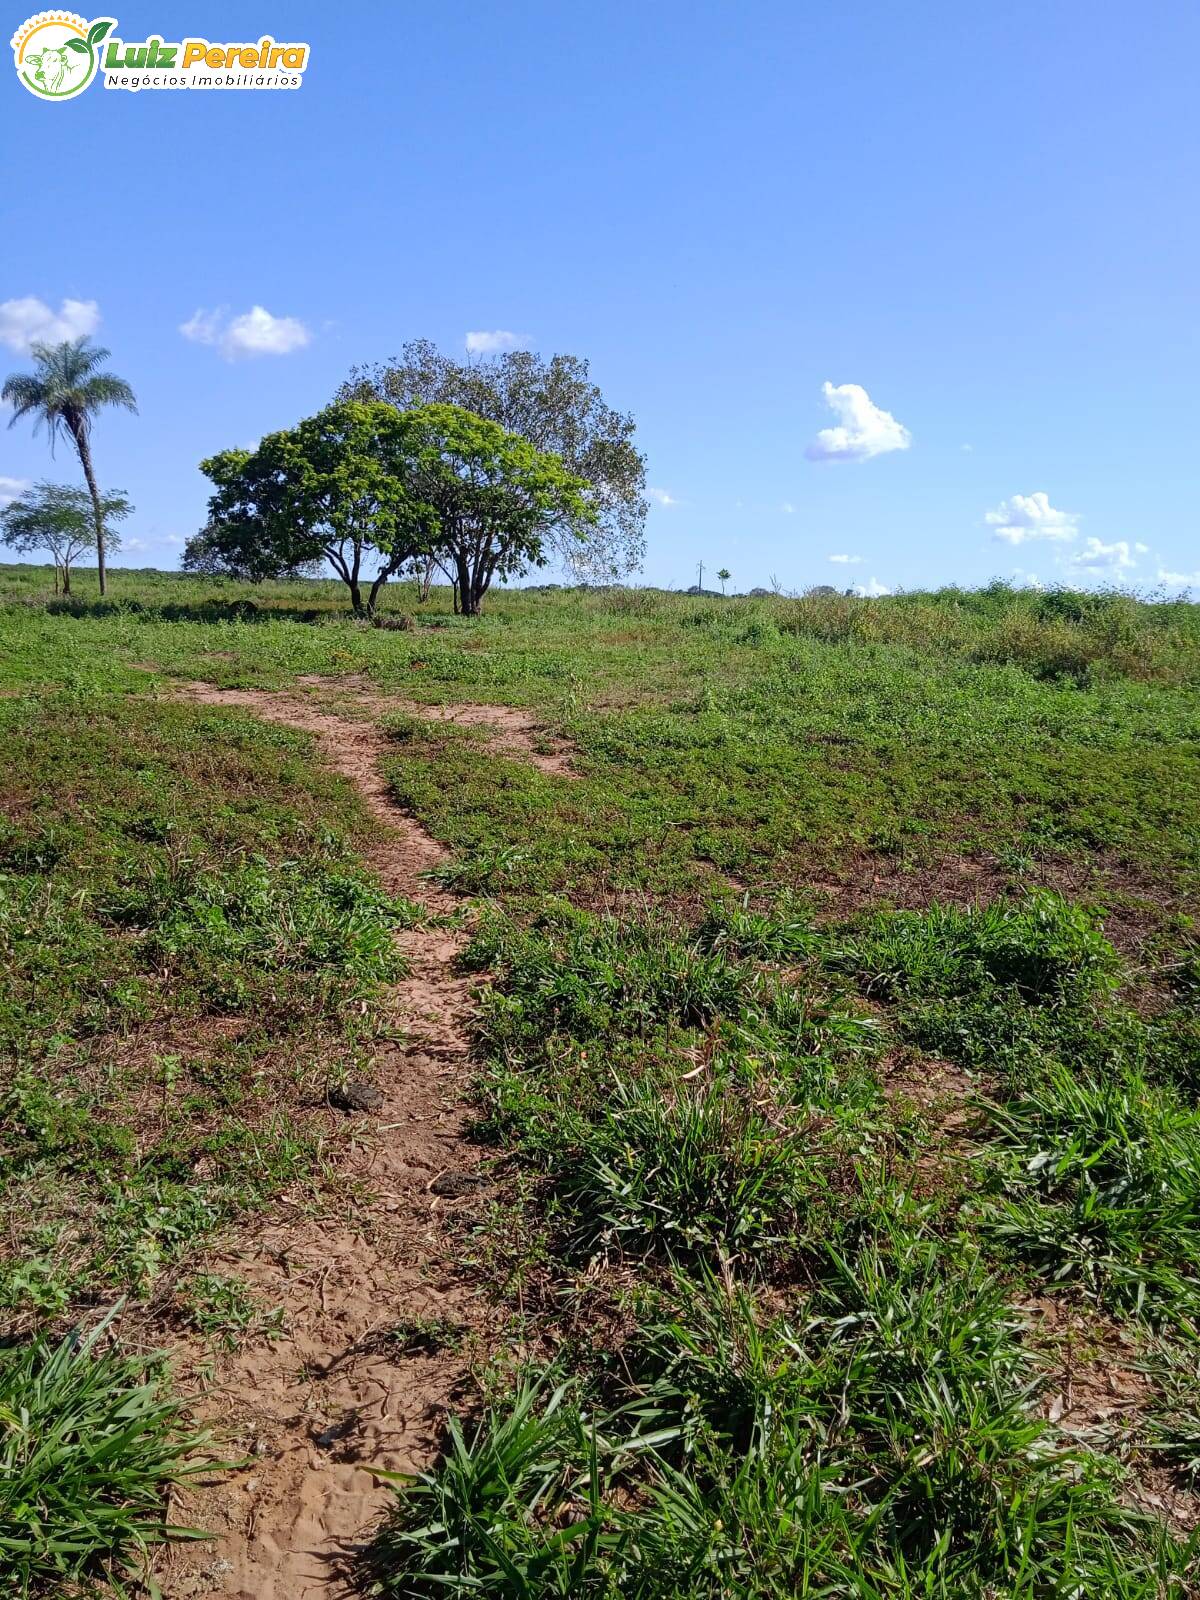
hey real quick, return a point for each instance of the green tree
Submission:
(560, 411)
(64, 392)
(497, 499)
(338, 487)
(724, 576)
(59, 518)
(364, 482)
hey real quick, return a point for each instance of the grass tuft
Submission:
(89, 1448)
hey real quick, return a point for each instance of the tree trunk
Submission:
(425, 581)
(85, 456)
(66, 578)
(467, 586)
(355, 595)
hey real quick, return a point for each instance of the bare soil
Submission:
(313, 1412)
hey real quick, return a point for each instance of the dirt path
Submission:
(335, 1395)
(509, 730)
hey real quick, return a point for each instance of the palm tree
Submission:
(724, 576)
(65, 393)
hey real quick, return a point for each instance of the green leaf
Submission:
(97, 31)
(77, 44)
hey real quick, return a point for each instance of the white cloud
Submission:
(203, 327)
(863, 429)
(1185, 578)
(1031, 516)
(872, 590)
(1098, 557)
(10, 488)
(846, 561)
(255, 333)
(662, 498)
(787, 508)
(175, 540)
(486, 342)
(31, 321)
(1027, 579)
(133, 544)
(967, 449)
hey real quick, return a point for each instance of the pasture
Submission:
(629, 1095)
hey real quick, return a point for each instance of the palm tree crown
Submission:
(65, 392)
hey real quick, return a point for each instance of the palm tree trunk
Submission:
(85, 456)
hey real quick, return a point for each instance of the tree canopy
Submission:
(496, 498)
(364, 484)
(338, 487)
(59, 518)
(559, 410)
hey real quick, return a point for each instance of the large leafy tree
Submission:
(497, 499)
(559, 410)
(58, 518)
(63, 393)
(363, 484)
(339, 487)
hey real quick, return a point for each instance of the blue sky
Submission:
(976, 225)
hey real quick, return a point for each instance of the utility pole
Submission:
(700, 585)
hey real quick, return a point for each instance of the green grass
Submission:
(90, 1445)
(189, 943)
(883, 1444)
(818, 859)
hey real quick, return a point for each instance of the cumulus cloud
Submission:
(1031, 516)
(486, 342)
(662, 498)
(846, 561)
(257, 333)
(1164, 576)
(254, 333)
(10, 488)
(872, 590)
(1098, 557)
(863, 430)
(787, 508)
(31, 321)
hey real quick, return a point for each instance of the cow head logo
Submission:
(57, 54)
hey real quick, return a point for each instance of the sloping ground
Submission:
(313, 1411)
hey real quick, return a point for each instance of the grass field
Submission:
(835, 1061)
